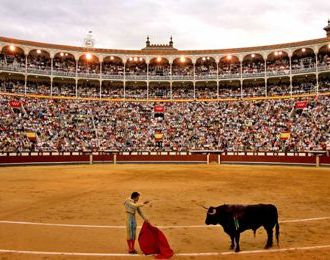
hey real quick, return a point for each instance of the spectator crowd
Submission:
(83, 125)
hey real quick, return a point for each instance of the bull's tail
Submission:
(277, 232)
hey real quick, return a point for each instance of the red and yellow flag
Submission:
(158, 136)
(285, 135)
(31, 135)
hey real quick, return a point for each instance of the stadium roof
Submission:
(168, 51)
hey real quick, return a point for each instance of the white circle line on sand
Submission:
(8, 251)
(121, 227)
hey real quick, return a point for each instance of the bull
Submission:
(235, 219)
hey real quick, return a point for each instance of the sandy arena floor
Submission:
(94, 195)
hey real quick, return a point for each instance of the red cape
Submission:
(153, 241)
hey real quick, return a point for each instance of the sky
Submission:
(194, 24)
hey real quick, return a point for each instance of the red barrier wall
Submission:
(325, 160)
(162, 158)
(270, 159)
(103, 158)
(213, 158)
(44, 159)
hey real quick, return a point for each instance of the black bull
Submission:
(237, 218)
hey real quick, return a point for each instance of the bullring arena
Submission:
(81, 128)
(76, 211)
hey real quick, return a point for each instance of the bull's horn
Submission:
(213, 212)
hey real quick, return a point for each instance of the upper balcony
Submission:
(167, 64)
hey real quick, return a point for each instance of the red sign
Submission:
(159, 109)
(15, 103)
(301, 104)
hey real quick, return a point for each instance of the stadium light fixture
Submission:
(12, 48)
(39, 51)
(88, 56)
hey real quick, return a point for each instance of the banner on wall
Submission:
(159, 109)
(301, 104)
(15, 104)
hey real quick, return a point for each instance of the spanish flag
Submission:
(31, 136)
(158, 136)
(285, 135)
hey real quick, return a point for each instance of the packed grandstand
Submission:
(63, 98)
(82, 125)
